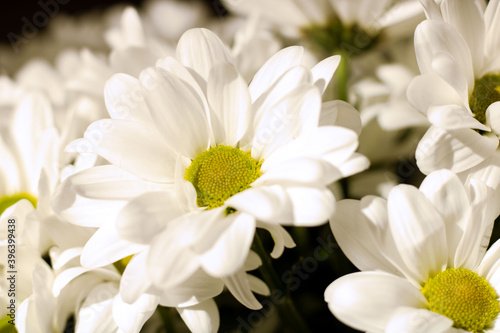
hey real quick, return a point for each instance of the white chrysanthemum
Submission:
(457, 51)
(422, 253)
(202, 158)
(344, 25)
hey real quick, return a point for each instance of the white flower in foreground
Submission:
(458, 51)
(422, 253)
(199, 159)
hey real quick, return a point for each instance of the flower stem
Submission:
(341, 79)
(291, 318)
(167, 318)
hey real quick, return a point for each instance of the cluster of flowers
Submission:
(139, 170)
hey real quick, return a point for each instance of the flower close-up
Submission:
(423, 259)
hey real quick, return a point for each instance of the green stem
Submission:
(341, 79)
(167, 318)
(291, 318)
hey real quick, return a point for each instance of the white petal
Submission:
(131, 317)
(124, 99)
(70, 274)
(362, 238)
(323, 71)
(178, 111)
(418, 231)
(429, 90)
(269, 204)
(231, 249)
(135, 280)
(94, 314)
(196, 289)
(106, 246)
(147, 215)
(274, 68)
(109, 182)
(239, 285)
(340, 113)
(169, 262)
(229, 98)
(411, 320)
(201, 49)
(457, 150)
(296, 114)
(280, 236)
(303, 171)
(128, 145)
(493, 117)
(201, 318)
(338, 142)
(452, 117)
(467, 18)
(447, 194)
(311, 206)
(366, 301)
(434, 38)
(490, 259)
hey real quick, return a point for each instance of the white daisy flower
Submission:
(205, 159)
(457, 52)
(336, 25)
(422, 253)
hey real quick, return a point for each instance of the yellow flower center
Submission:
(9, 200)
(464, 297)
(221, 172)
(486, 92)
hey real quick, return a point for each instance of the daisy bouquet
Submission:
(252, 166)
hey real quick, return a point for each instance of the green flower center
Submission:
(9, 200)
(334, 37)
(464, 297)
(486, 92)
(221, 172)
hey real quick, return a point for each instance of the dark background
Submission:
(12, 12)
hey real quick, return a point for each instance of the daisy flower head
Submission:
(205, 157)
(423, 259)
(457, 51)
(335, 26)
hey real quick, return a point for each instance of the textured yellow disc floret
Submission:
(486, 92)
(221, 172)
(9, 200)
(464, 297)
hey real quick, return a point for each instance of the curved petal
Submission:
(340, 113)
(200, 49)
(131, 317)
(231, 249)
(368, 300)
(457, 150)
(239, 286)
(147, 215)
(428, 90)
(109, 182)
(124, 99)
(418, 231)
(448, 195)
(493, 117)
(311, 206)
(94, 314)
(274, 68)
(467, 18)
(201, 318)
(177, 110)
(411, 320)
(281, 239)
(434, 38)
(452, 117)
(360, 228)
(323, 72)
(268, 204)
(228, 95)
(106, 246)
(132, 146)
